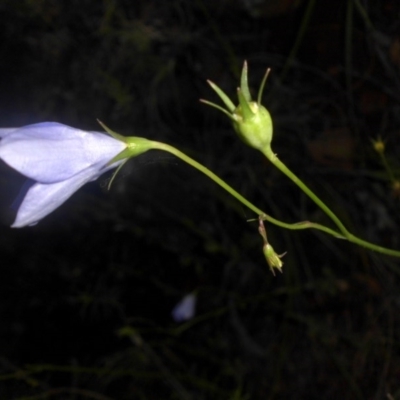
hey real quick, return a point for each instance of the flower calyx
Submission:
(134, 147)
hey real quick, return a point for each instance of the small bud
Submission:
(273, 259)
(379, 145)
(253, 124)
(251, 121)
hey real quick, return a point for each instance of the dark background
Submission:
(86, 295)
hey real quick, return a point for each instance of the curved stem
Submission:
(284, 169)
(349, 236)
(238, 196)
(299, 38)
(390, 252)
(387, 167)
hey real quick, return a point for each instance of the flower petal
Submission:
(185, 309)
(50, 152)
(43, 198)
(22, 193)
(6, 131)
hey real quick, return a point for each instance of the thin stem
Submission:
(283, 168)
(299, 38)
(364, 15)
(387, 167)
(238, 196)
(390, 252)
(349, 236)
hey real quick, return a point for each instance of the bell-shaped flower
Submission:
(57, 160)
(185, 309)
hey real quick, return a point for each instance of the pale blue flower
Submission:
(58, 160)
(185, 309)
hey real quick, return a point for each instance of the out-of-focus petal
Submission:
(185, 309)
(50, 152)
(43, 198)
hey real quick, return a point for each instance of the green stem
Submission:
(349, 236)
(284, 169)
(299, 38)
(238, 196)
(364, 15)
(387, 167)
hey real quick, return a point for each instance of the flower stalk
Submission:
(253, 124)
(58, 160)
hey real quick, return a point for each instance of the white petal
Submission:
(185, 309)
(43, 198)
(51, 152)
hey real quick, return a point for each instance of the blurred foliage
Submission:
(86, 295)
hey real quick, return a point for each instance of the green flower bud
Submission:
(379, 145)
(251, 120)
(254, 127)
(274, 260)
